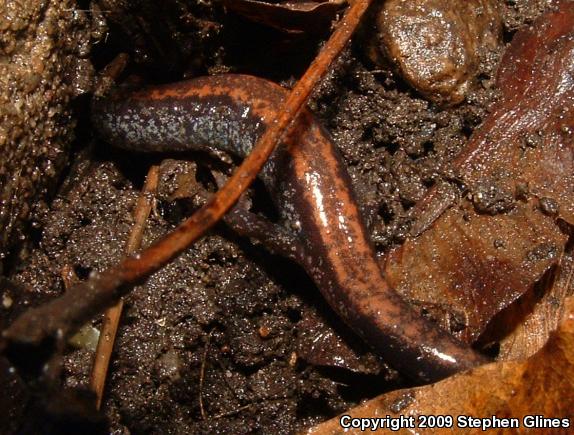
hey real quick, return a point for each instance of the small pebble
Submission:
(86, 338)
(7, 301)
(548, 206)
(264, 331)
(436, 45)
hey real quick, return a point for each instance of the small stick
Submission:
(202, 377)
(68, 275)
(60, 317)
(111, 318)
(233, 412)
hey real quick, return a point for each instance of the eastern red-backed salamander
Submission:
(313, 193)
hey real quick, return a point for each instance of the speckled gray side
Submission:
(174, 124)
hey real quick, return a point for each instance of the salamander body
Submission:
(312, 191)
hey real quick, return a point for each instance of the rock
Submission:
(44, 64)
(437, 45)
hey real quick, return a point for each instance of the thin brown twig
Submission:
(233, 411)
(111, 318)
(62, 316)
(202, 377)
(68, 275)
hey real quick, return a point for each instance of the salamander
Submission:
(312, 191)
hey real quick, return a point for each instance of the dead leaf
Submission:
(537, 313)
(477, 264)
(295, 16)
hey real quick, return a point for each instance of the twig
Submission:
(68, 275)
(202, 377)
(233, 411)
(60, 317)
(111, 318)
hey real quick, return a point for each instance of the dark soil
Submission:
(227, 308)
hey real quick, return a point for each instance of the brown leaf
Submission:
(476, 264)
(540, 385)
(295, 16)
(537, 313)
